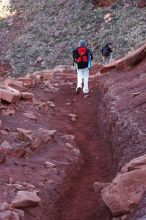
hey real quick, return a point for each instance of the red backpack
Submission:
(82, 55)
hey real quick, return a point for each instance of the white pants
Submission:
(83, 76)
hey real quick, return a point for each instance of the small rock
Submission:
(19, 212)
(5, 145)
(69, 136)
(27, 95)
(18, 187)
(51, 104)
(29, 131)
(108, 17)
(3, 132)
(14, 216)
(30, 115)
(23, 136)
(41, 137)
(136, 93)
(68, 145)
(8, 112)
(73, 117)
(4, 206)
(49, 164)
(28, 185)
(26, 199)
(6, 215)
(68, 103)
(19, 149)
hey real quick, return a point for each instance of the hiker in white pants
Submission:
(82, 77)
(81, 58)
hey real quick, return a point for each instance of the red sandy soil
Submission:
(80, 201)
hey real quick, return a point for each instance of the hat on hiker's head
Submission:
(82, 43)
(109, 43)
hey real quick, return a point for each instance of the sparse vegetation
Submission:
(52, 28)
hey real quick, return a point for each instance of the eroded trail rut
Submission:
(81, 202)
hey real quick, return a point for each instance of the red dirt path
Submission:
(80, 202)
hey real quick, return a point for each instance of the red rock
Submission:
(47, 75)
(9, 94)
(27, 81)
(6, 215)
(128, 187)
(27, 95)
(108, 68)
(9, 111)
(98, 186)
(132, 59)
(41, 137)
(43, 75)
(4, 206)
(134, 164)
(18, 85)
(26, 199)
(24, 136)
(19, 150)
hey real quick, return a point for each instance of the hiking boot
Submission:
(86, 95)
(78, 90)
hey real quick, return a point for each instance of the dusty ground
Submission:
(66, 191)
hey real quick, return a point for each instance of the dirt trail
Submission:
(81, 202)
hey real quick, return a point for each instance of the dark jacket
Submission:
(75, 54)
(106, 51)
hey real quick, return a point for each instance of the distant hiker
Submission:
(82, 58)
(106, 53)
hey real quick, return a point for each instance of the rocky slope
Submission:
(41, 34)
(122, 118)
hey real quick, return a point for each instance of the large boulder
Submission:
(128, 187)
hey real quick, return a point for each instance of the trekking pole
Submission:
(89, 61)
